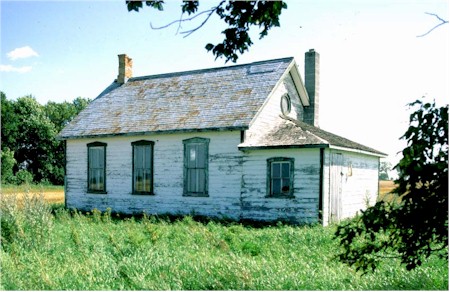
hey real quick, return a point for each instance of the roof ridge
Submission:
(204, 70)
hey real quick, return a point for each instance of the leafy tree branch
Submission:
(240, 16)
(442, 21)
(417, 227)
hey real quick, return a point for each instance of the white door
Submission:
(336, 174)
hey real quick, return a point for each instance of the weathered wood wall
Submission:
(271, 110)
(303, 208)
(225, 169)
(237, 179)
(359, 183)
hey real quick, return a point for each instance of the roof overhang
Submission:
(293, 70)
(381, 155)
(175, 131)
(265, 147)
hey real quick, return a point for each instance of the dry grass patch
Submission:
(385, 191)
(51, 194)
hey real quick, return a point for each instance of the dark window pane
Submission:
(285, 169)
(201, 156)
(196, 167)
(276, 170)
(147, 156)
(201, 180)
(276, 186)
(192, 183)
(285, 186)
(192, 156)
(142, 168)
(147, 181)
(96, 172)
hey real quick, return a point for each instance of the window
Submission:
(280, 178)
(196, 167)
(96, 167)
(285, 104)
(143, 167)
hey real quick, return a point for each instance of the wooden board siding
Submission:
(303, 208)
(358, 183)
(271, 110)
(225, 169)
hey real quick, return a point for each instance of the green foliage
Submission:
(8, 163)
(239, 16)
(98, 251)
(28, 131)
(385, 167)
(24, 177)
(417, 227)
(26, 222)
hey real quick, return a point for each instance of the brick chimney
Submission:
(312, 72)
(125, 69)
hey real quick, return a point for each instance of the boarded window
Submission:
(280, 177)
(97, 167)
(143, 167)
(196, 167)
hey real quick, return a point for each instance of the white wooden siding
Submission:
(225, 169)
(271, 110)
(303, 208)
(359, 183)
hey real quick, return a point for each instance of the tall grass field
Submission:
(48, 248)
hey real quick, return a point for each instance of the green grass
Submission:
(62, 250)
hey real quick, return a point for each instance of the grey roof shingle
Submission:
(287, 132)
(216, 98)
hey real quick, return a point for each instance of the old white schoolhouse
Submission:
(237, 142)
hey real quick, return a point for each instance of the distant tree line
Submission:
(30, 151)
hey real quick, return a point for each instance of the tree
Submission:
(385, 167)
(60, 114)
(240, 16)
(9, 126)
(8, 163)
(35, 140)
(442, 22)
(30, 150)
(417, 227)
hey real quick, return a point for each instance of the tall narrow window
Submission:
(96, 167)
(280, 178)
(143, 167)
(196, 167)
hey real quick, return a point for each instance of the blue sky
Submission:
(372, 62)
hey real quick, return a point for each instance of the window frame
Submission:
(89, 146)
(186, 143)
(280, 160)
(287, 99)
(133, 181)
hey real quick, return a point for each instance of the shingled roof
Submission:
(209, 99)
(290, 133)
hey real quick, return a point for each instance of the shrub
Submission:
(26, 221)
(8, 161)
(24, 177)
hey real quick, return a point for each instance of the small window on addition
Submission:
(280, 177)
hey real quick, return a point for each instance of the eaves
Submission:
(174, 131)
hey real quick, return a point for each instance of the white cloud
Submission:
(9, 68)
(22, 53)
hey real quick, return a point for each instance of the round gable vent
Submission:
(285, 104)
